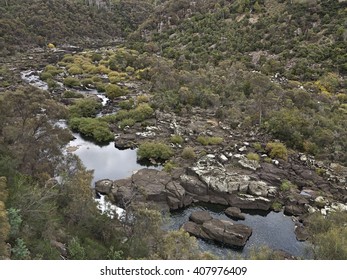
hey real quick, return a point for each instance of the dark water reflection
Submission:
(271, 229)
(107, 161)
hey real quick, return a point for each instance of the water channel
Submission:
(271, 229)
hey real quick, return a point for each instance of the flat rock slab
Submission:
(222, 231)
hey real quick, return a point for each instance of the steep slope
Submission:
(38, 22)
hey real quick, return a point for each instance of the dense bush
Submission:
(176, 139)
(96, 129)
(188, 153)
(85, 108)
(277, 150)
(113, 91)
(154, 150)
(71, 82)
(207, 140)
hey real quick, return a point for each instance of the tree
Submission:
(29, 131)
(4, 224)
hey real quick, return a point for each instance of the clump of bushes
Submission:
(85, 108)
(71, 82)
(188, 153)
(207, 140)
(126, 122)
(154, 150)
(277, 150)
(113, 91)
(72, 94)
(96, 129)
(287, 186)
(253, 156)
(176, 139)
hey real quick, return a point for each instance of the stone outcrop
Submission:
(150, 186)
(222, 231)
(234, 213)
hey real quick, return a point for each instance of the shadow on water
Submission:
(271, 229)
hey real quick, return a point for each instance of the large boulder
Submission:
(150, 186)
(103, 186)
(234, 213)
(199, 217)
(222, 231)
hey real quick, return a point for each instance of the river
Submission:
(272, 229)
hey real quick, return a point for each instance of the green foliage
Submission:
(142, 112)
(85, 108)
(71, 82)
(169, 166)
(15, 221)
(207, 140)
(97, 129)
(277, 150)
(4, 223)
(72, 94)
(188, 153)
(113, 91)
(287, 186)
(253, 156)
(176, 139)
(126, 104)
(154, 150)
(126, 122)
(20, 250)
(328, 235)
(265, 253)
(75, 249)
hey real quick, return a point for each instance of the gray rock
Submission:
(199, 217)
(221, 231)
(234, 213)
(227, 232)
(104, 186)
(258, 188)
(193, 185)
(301, 233)
(249, 202)
(249, 164)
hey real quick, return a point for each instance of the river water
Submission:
(274, 230)
(271, 229)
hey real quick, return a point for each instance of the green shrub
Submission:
(287, 186)
(72, 94)
(85, 108)
(113, 91)
(154, 150)
(126, 104)
(206, 140)
(169, 166)
(71, 82)
(276, 206)
(188, 153)
(100, 87)
(142, 112)
(75, 70)
(176, 139)
(253, 156)
(257, 147)
(277, 150)
(126, 122)
(97, 129)
(44, 76)
(87, 81)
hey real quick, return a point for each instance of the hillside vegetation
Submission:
(267, 68)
